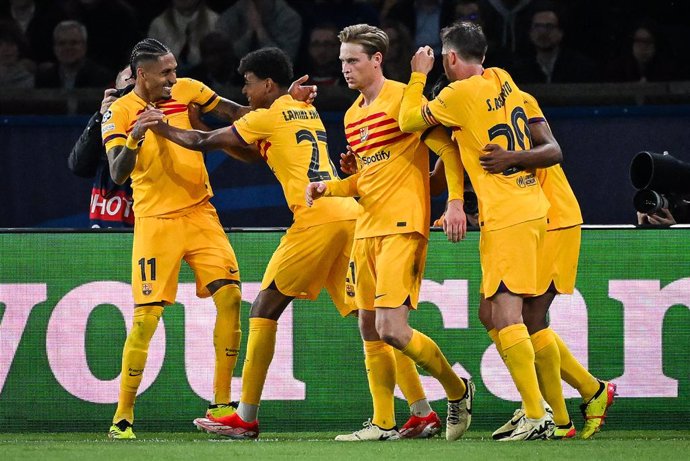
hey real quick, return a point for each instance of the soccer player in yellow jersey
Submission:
(553, 358)
(482, 106)
(174, 219)
(389, 251)
(314, 253)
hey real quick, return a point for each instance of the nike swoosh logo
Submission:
(135, 374)
(378, 296)
(233, 271)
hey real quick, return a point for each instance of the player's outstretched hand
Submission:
(348, 161)
(455, 221)
(423, 60)
(315, 190)
(306, 93)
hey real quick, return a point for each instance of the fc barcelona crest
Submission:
(146, 288)
(363, 134)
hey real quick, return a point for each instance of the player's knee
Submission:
(485, 315)
(390, 334)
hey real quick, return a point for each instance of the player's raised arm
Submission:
(230, 110)
(412, 109)
(122, 159)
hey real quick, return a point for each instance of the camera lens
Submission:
(470, 206)
(649, 201)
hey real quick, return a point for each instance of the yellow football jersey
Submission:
(483, 109)
(564, 211)
(393, 177)
(292, 139)
(167, 178)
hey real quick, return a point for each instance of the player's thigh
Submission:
(207, 249)
(156, 256)
(511, 257)
(303, 261)
(339, 280)
(564, 246)
(362, 272)
(400, 262)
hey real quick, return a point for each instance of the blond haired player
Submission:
(174, 219)
(482, 106)
(389, 251)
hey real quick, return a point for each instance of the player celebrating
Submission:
(391, 236)
(484, 105)
(174, 219)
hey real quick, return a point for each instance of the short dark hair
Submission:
(465, 38)
(269, 62)
(149, 49)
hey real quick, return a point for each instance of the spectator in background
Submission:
(36, 20)
(72, 69)
(113, 25)
(396, 63)
(254, 24)
(505, 21)
(549, 62)
(645, 58)
(16, 71)
(182, 26)
(218, 66)
(424, 19)
(497, 55)
(323, 65)
(111, 203)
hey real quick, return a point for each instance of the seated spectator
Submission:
(15, 70)
(36, 21)
(254, 24)
(549, 62)
(645, 58)
(396, 63)
(323, 49)
(181, 27)
(497, 54)
(424, 19)
(218, 66)
(504, 22)
(72, 69)
(113, 25)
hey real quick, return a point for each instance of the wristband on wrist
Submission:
(132, 144)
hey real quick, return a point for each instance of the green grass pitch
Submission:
(606, 446)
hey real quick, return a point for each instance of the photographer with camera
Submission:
(663, 184)
(111, 203)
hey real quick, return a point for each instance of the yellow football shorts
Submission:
(561, 254)
(311, 258)
(387, 270)
(512, 256)
(160, 245)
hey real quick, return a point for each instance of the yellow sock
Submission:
(574, 373)
(493, 333)
(226, 339)
(379, 360)
(134, 359)
(518, 354)
(261, 344)
(426, 353)
(547, 362)
(407, 378)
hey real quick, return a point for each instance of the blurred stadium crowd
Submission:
(67, 44)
